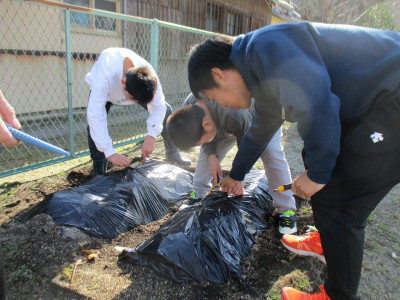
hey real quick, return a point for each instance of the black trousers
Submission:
(98, 157)
(364, 173)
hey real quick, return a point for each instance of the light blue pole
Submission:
(68, 58)
(154, 41)
(22, 136)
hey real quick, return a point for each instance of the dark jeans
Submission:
(98, 157)
(364, 173)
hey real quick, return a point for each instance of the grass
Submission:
(22, 274)
(297, 279)
(371, 218)
(10, 249)
(6, 193)
(66, 274)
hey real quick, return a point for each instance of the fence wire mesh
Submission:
(45, 53)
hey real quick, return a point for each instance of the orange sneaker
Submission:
(307, 245)
(289, 293)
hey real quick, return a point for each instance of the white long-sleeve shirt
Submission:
(105, 84)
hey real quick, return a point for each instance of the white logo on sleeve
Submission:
(376, 137)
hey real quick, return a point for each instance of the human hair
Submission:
(185, 126)
(213, 52)
(141, 84)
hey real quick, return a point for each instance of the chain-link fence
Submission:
(47, 48)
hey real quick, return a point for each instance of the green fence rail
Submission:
(47, 48)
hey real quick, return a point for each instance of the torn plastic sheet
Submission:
(115, 203)
(206, 242)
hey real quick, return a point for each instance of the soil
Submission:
(47, 261)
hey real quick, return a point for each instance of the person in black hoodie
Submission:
(341, 85)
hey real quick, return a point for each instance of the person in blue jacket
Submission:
(341, 85)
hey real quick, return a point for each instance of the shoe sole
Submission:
(305, 253)
(293, 232)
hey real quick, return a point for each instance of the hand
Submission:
(304, 187)
(8, 114)
(215, 168)
(119, 160)
(232, 186)
(148, 146)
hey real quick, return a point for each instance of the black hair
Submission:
(185, 126)
(213, 52)
(141, 84)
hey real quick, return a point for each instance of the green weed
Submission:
(66, 274)
(22, 274)
(10, 249)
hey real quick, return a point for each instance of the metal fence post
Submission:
(154, 42)
(69, 83)
(42, 62)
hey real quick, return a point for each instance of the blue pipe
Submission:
(22, 136)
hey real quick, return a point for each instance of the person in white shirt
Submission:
(122, 77)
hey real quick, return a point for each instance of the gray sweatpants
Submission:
(275, 166)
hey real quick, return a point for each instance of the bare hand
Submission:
(8, 114)
(232, 186)
(148, 146)
(304, 187)
(215, 168)
(119, 160)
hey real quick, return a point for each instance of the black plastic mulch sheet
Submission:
(206, 242)
(112, 204)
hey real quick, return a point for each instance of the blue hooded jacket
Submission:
(319, 75)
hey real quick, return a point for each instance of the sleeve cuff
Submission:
(319, 177)
(110, 152)
(237, 175)
(152, 133)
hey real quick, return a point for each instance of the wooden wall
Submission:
(193, 12)
(183, 12)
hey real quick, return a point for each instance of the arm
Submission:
(8, 115)
(215, 168)
(264, 125)
(97, 120)
(252, 145)
(234, 122)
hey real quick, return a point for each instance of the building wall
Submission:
(193, 13)
(32, 57)
(32, 38)
(277, 20)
